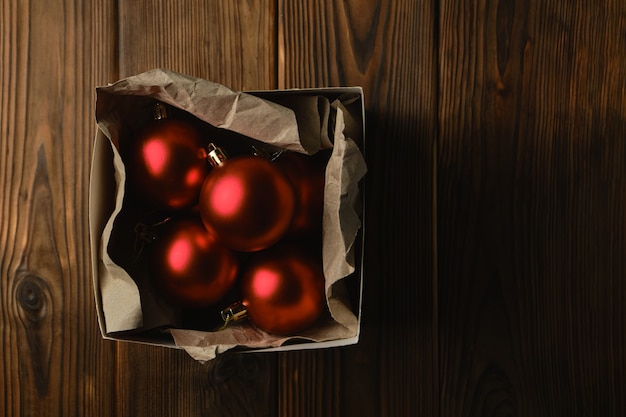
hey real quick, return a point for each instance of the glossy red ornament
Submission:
(247, 202)
(166, 163)
(189, 266)
(307, 174)
(283, 290)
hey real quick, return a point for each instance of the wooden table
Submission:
(495, 271)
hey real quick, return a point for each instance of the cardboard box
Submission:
(127, 308)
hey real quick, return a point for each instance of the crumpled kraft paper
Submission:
(128, 303)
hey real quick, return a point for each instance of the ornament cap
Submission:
(234, 312)
(215, 155)
(159, 111)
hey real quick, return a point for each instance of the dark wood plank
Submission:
(232, 43)
(53, 360)
(159, 381)
(389, 48)
(531, 190)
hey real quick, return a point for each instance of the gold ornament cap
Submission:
(234, 312)
(159, 111)
(215, 155)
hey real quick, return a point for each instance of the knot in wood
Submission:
(224, 367)
(30, 294)
(494, 395)
(235, 365)
(249, 367)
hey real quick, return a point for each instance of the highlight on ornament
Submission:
(165, 162)
(246, 201)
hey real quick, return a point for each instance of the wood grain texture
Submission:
(530, 205)
(53, 361)
(232, 43)
(389, 48)
(310, 384)
(495, 228)
(162, 382)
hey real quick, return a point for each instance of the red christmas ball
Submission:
(247, 203)
(166, 164)
(283, 290)
(189, 266)
(307, 174)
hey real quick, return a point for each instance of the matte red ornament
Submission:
(307, 174)
(246, 202)
(189, 266)
(283, 290)
(166, 163)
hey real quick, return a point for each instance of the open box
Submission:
(301, 120)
